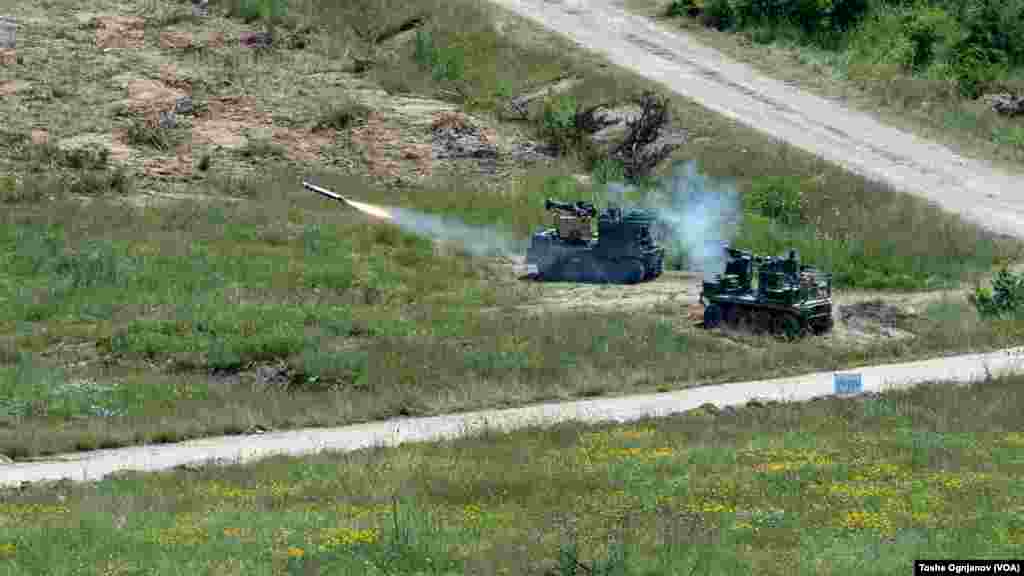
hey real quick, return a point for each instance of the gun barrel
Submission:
(579, 208)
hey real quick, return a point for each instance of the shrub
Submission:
(257, 148)
(974, 68)
(342, 115)
(99, 182)
(252, 10)
(684, 8)
(9, 191)
(1003, 299)
(718, 14)
(777, 197)
(558, 122)
(142, 133)
(444, 63)
(608, 170)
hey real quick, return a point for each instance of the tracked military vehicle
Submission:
(788, 299)
(622, 252)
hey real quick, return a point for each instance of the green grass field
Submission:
(834, 486)
(250, 302)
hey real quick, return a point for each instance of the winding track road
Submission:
(850, 139)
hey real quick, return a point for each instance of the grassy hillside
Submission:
(159, 282)
(836, 486)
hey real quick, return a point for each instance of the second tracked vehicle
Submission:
(789, 299)
(622, 251)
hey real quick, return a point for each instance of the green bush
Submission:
(718, 14)
(1003, 299)
(777, 197)
(608, 170)
(684, 8)
(558, 122)
(252, 10)
(444, 62)
(975, 68)
(814, 18)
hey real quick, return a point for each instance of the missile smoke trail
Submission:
(477, 240)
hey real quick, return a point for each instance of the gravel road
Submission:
(234, 449)
(974, 189)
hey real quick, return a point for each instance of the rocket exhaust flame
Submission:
(368, 209)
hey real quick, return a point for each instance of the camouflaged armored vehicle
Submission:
(622, 252)
(769, 294)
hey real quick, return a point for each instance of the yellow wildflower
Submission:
(21, 513)
(334, 537)
(280, 489)
(1015, 438)
(295, 552)
(858, 520)
(184, 532)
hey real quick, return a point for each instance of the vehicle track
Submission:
(976, 190)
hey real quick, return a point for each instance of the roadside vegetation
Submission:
(834, 486)
(926, 64)
(156, 287)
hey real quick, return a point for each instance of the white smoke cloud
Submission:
(476, 240)
(698, 214)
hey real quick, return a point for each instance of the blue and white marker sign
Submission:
(848, 383)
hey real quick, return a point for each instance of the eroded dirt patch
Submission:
(302, 145)
(874, 317)
(676, 289)
(150, 97)
(170, 40)
(226, 120)
(10, 87)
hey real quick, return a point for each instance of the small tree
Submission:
(1003, 299)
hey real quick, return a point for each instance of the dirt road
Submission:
(94, 465)
(858, 142)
